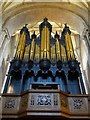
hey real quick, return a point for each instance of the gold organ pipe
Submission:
(45, 43)
(58, 49)
(69, 46)
(53, 55)
(26, 53)
(63, 53)
(32, 50)
(48, 43)
(20, 49)
(42, 43)
(37, 52)
(45, 40)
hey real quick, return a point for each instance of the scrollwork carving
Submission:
(32, 100)
(9, 103)
(64, 101)
(55, 98)
(24, 101)
(77, 103)
(44, 100)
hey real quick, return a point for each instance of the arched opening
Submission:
(74, 82)
(27, 79)
(14, 79)
(61, 79)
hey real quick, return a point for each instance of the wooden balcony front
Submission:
(44, 103)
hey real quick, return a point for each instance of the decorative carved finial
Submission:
(65, 24)
(34, 33)
(45, 19)
(26, 25)
(57, 35)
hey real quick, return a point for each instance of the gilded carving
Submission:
(64, 101)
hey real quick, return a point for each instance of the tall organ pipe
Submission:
(24, 39)
(66, 35)
(45, 34)
(20, 48)
(33, 47)
(58, 49)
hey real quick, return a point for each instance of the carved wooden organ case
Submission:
(44, 62)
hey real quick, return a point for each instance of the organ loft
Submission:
(44, 78)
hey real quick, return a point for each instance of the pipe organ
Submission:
(44, 62)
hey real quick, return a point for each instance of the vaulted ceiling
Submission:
(16, 14)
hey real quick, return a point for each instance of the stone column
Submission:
(0, 77)
(85, 55)
(4, 54)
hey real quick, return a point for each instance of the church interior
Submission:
(44, 59)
